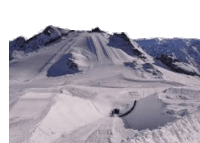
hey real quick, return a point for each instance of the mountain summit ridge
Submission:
(185, 51)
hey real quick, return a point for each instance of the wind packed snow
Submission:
(64, 85)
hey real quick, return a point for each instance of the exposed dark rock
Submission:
(171, 112)
(114, 111)
(138, 53)
(130, 64)
(97, 29)
(167, 59)
(151, 69)
(47, 31)
(72, 65)
(170, 62)
(65, 65)
(147, 67)
(52, 41)
(19, 42)
(127, 41)
(123, 36)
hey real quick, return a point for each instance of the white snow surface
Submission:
(65, 91)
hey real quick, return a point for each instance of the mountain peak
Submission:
(96, 29)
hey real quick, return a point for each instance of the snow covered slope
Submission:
(64, 84)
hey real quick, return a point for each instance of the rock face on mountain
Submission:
(180, 55)
(97, 29)
(17, 44)
(178, 66)
(49, 35)
(123, 36)
(151, 69)
(123, 41)
(65, 65)
(145, 68)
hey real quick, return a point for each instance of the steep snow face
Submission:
(184, 50)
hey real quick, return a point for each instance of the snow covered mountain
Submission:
(71, 86)
(180, 55)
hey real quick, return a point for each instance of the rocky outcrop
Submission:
(138, 53)
(97, 29)
(17, 44)
(123, 36)
(178, 66)
(128, 42)
(72, 65)
(147, 68)
(48, 30)
(49, 35)
(179, 55)
(151, 69)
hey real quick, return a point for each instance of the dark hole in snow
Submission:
(114, 111)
